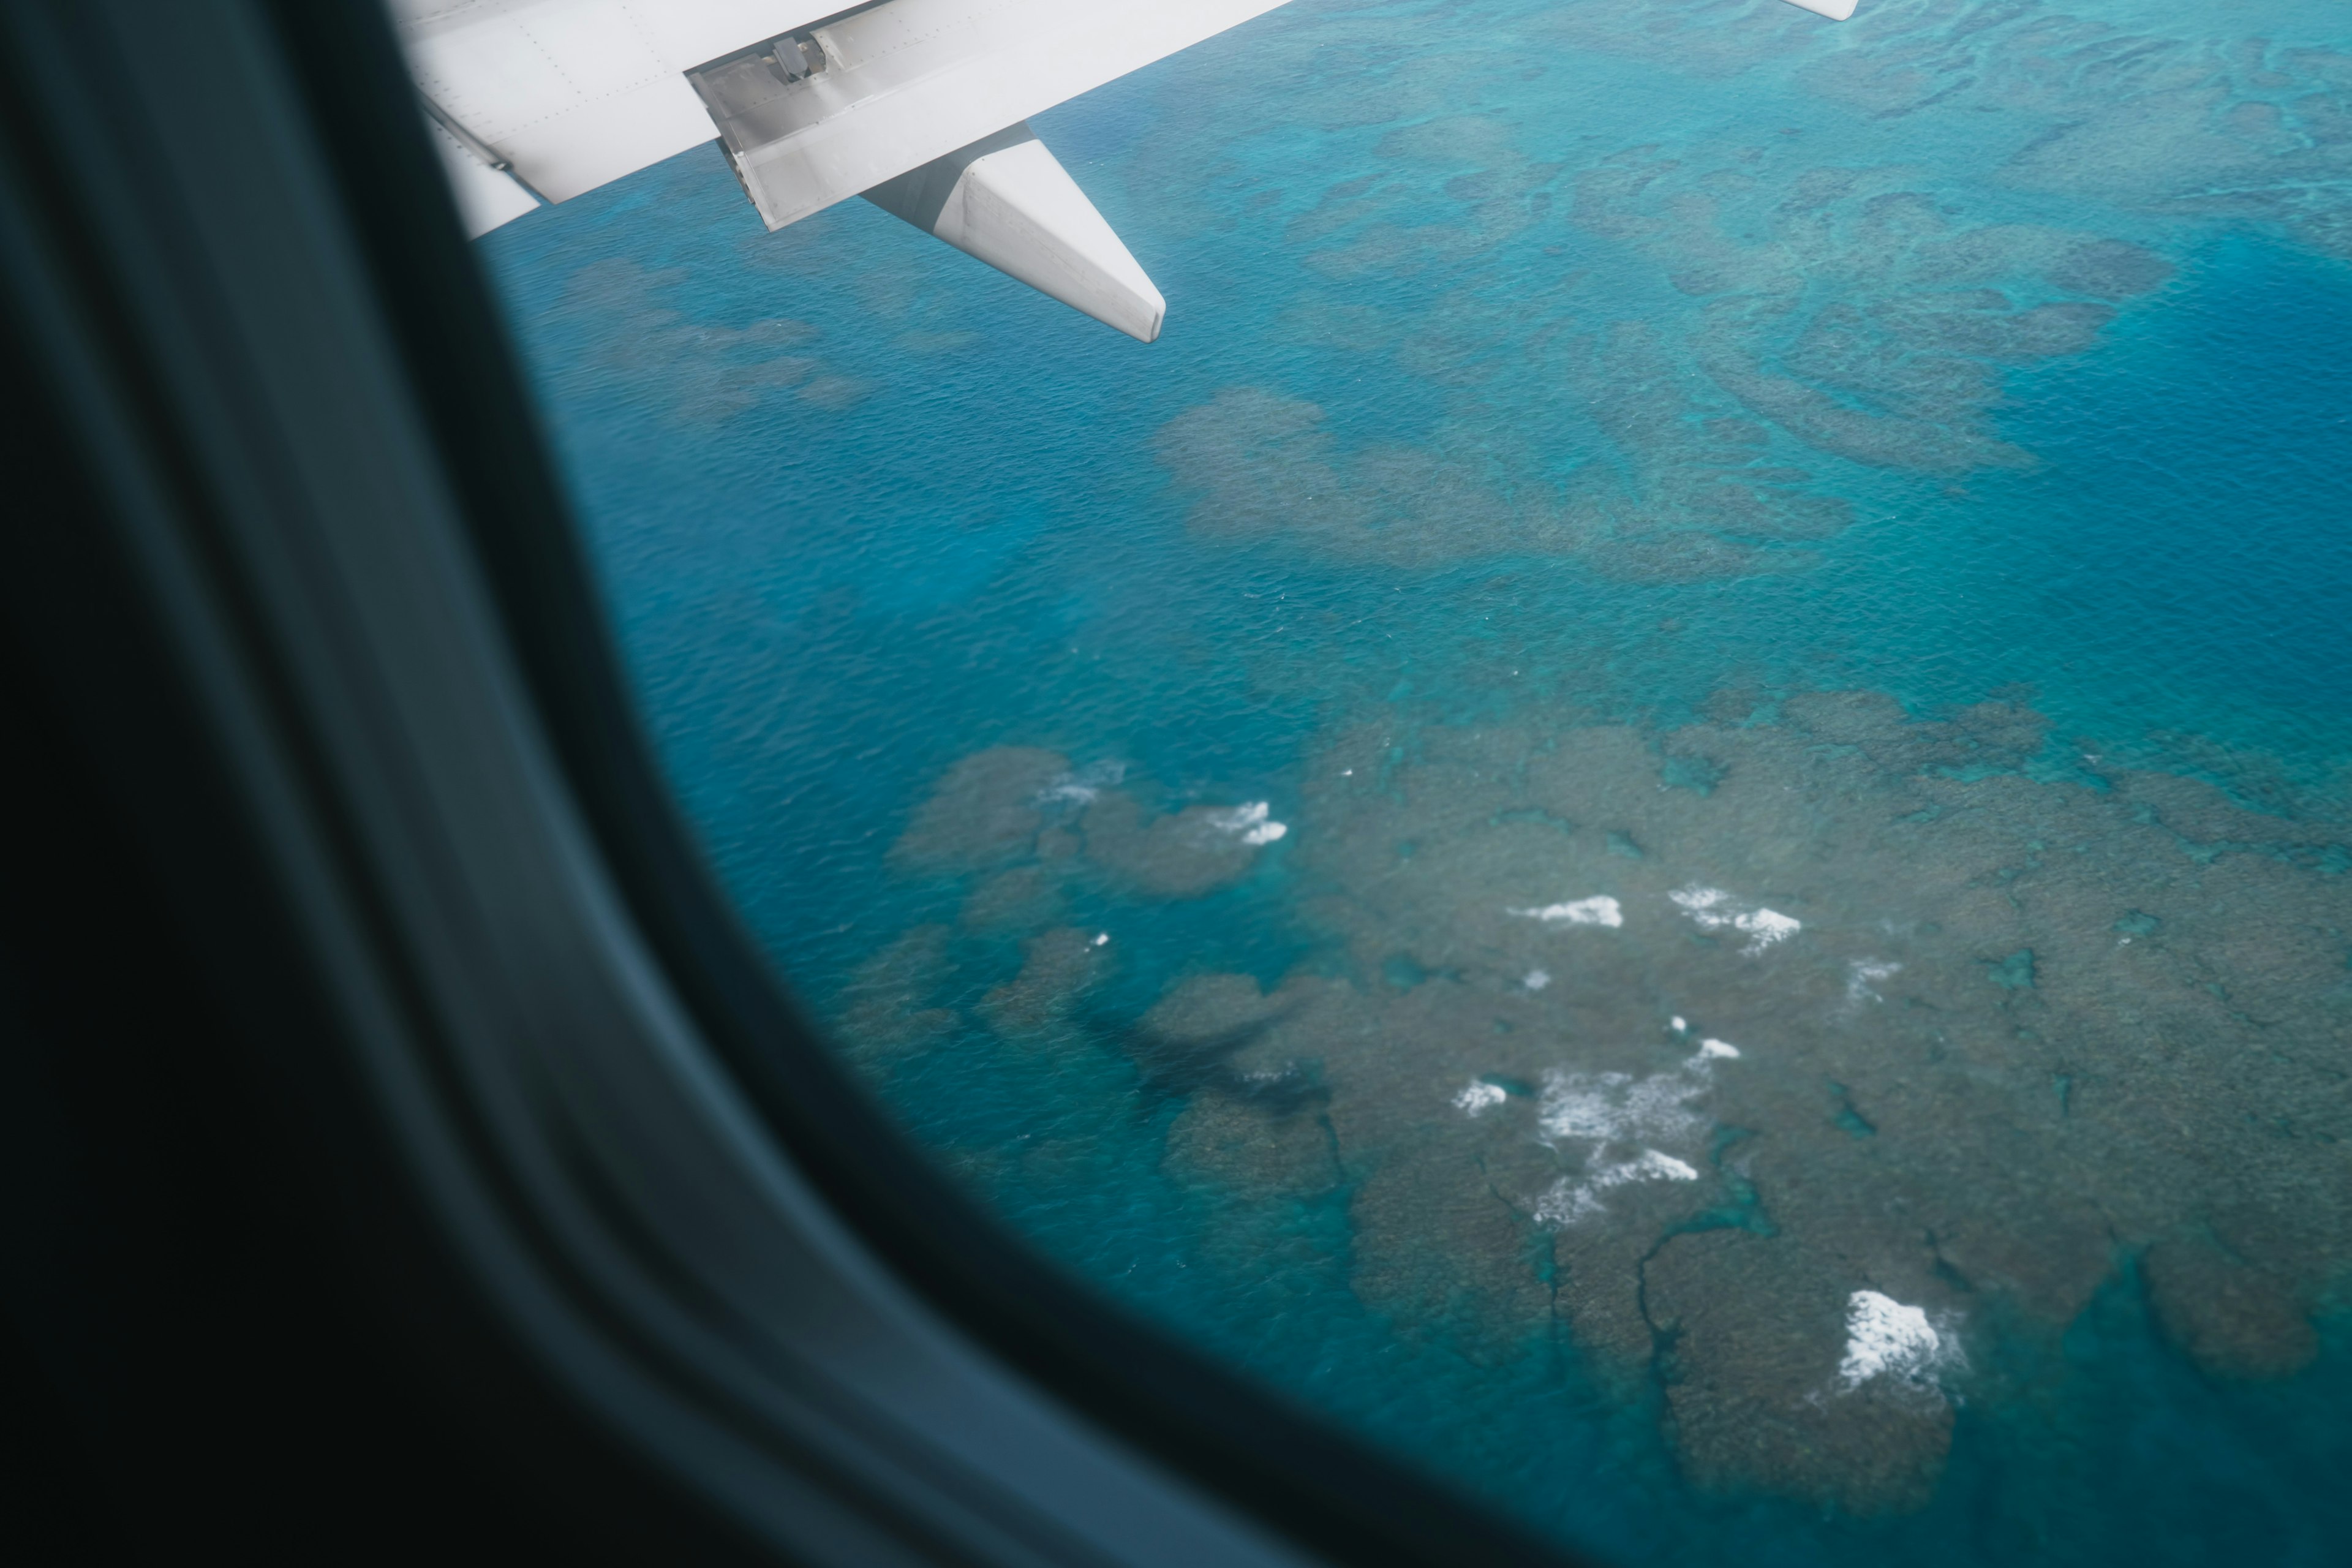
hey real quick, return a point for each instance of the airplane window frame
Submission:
(323, 461)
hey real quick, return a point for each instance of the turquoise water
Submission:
(1653, 533)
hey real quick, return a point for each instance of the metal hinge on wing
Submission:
(798, 56)
(787, 58)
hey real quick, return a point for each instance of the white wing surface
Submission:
(541, 100)
(897, 85)
(572, 93)
(922, 105)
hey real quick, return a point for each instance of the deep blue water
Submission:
(2021, 331)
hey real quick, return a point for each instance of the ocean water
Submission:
(1660, 811)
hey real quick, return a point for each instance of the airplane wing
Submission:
(919, 104)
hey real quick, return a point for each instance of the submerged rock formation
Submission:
(1768, 1063)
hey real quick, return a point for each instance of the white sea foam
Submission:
(1862, 975)
(1084, 785)
(1603, 1114)
(1716, 909)
(1248, 823)
(1569, 1201)
(1617, 1108)
(1537, 980)
(1661, 1167)
(1599, 910)
(1884, 1338)
(1604, 1108)
(1566, 1202)
(1680, 1028)
(1479, 1097)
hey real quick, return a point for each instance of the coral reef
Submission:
(1856, 1040)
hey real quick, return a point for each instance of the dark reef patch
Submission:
(1916, 1066)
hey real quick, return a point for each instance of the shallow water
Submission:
(1660, 809)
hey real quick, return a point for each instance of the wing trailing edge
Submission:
(920, 104)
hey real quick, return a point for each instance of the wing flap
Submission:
(575, 93)
(912, 80)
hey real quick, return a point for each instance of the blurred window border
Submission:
(326, 533)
